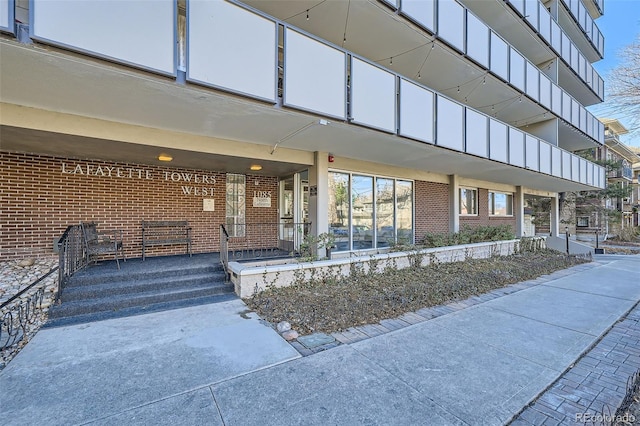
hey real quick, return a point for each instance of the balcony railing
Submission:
(581, 17)
(623, 173)
(536, 14)
(587, 24)
(599, 5)
(324, 79)
(461, 29)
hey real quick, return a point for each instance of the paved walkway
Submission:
(596, 385)
(476, 365)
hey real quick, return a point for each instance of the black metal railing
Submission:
(224, 249)
(72, 255)
(249, 241)
(21, 311)
(624, 172)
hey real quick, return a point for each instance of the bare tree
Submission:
(624, 86)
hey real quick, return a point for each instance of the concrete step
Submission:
(137, 310)
(103, 291)
(133, 286)
(123, 301)
(91, 276)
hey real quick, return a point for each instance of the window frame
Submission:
(240, 202)
(475, 201)
(375, 177)
(492, 204)
(579, 218)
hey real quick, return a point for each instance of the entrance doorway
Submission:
(293, 211)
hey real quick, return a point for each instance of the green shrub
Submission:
(628, 234)
(469, 235)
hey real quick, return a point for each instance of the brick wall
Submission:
(432, 208)
(41, 195)
(483, 218)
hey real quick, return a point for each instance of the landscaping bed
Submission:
(333, 303)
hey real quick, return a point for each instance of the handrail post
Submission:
(224, 250)
(71, 255)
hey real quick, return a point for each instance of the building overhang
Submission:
(621, 149)
(65, 104)
(615, 126)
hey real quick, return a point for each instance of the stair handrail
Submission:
(15, 318)
(224, 249)
(72, 255)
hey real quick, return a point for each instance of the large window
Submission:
(385, 212)
(368, 212)
(339, 209)
(235, 205)
(468, 201)
(404, 211)
(500, 204)
(362, 211)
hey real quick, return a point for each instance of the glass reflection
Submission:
(404, 211)
(339, 209)
(362, 212)
(385, 221)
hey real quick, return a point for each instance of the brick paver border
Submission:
(356, 334)
(595, 385)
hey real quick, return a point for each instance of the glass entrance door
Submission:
(293, 210)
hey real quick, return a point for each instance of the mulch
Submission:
(336, 303)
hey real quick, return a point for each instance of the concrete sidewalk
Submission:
(479, 365)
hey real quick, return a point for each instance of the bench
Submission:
(101, 243)
(165, 232)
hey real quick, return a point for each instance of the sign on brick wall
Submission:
(193, 184)
(261, 198)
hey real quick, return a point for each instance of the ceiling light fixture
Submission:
(165, 157)
(255, 167)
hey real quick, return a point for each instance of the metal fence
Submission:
(72, 255)
(262, 240)
(20, 312)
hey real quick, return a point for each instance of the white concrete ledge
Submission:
(251, 278)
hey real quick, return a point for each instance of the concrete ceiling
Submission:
(85, 148)
(406, 49)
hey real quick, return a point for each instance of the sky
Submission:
(620, 26)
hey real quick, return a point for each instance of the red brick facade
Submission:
(483, 218)
(40, 195)
(432, 208)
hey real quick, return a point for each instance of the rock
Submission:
(283, 326)
(290, 335)
(26, 262)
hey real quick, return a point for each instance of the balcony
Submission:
(574, 17)
(530, 21)
(595, 7)
(625, 173)
(238, 58)
(465, 60)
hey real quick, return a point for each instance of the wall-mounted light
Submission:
(255, 167)
(165, 157)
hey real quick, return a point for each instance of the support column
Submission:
(454, 202)
(518, 210)
(554, 220)
(319, 196)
